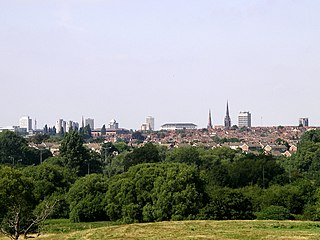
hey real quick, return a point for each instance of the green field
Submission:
(220, 230)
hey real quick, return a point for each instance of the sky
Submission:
(170, 59)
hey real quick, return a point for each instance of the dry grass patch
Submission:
(217, 230)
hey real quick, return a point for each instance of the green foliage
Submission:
(148, 153)
(14, 150)
(38, 138)
(73, 152)
(121, 147)
(138, 136)
(85, 132)
(49, 179)
(250, 170)
(228, 168)
(15, 190)
(16, 201)
(108, 149)
(154, 183)
(188, 155)
(311, 136)
(86, 198)
(103, 130)
(307, 158)
(11, 146)
(256, 196)
(227, 204)
(287, 196)
(155, 192)
(274, 213)
(218, 140)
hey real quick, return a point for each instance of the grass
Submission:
(218, 230)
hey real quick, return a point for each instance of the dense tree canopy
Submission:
(155, 192)
(151, 182)
(148, 153)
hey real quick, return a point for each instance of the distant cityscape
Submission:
(275, 140)
(28, 126)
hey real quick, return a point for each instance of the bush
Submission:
(274, 213)
(227, 204)
(86, 198)
(155, 192)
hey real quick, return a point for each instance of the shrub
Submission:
(274, 213)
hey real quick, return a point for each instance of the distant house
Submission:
(286, 154)
(245, 148)
(293, 148)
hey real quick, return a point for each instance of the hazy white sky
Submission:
(172, 59)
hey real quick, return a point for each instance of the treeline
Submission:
(154, 183)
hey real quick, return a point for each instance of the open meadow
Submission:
(220, 230)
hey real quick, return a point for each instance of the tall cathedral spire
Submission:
(82, 122)
(209, 126)
(227, 119)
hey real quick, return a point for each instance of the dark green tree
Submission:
(227, 204)
(49, 179)
(17, 204)
(155, 192)
(86, 198)
(75, 155)
(86, 132)
(148, 153)
(103, 130)
(12, 147)
(188, 155)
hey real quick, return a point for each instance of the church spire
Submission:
(209, 126)
(227, 114)
(82, 122)
(227, 119)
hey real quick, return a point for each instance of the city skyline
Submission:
(172, 60)
(91, 121)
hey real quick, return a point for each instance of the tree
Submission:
(149, 153)
(86, 132)
(74, 153)
(17, 204)
(274, 213)
(188, 155)
(38, 138)
(252, 169)
(49, 179)
(86, 198)
(311, 136)
(14, 150)
(45, 129)
(103, 130)
(227, 204)
(155, 192)
(12, 147)
(138, 136)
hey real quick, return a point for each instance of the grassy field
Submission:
(220, 230)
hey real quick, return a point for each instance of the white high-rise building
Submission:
(59, 125)
(150, 123)
(25, 122)
(90, 122)
(244, 119)
(69, 126)
(304, 122)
